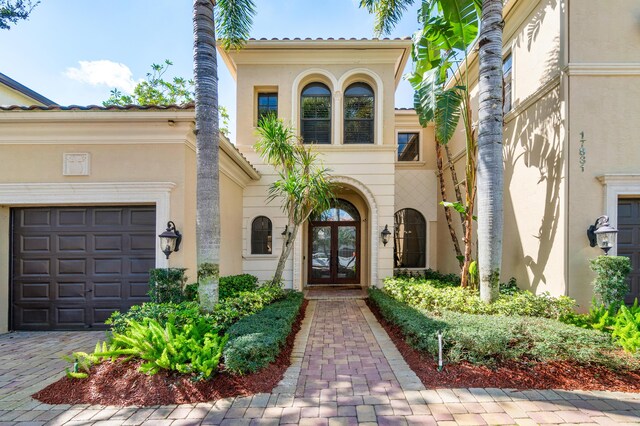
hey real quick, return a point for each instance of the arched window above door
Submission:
(340, 211)
(358, 114)
(410, 239)
(315, 114)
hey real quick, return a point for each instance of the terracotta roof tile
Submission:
(97, 107)
(330, 39)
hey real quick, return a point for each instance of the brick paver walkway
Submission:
(345, 370)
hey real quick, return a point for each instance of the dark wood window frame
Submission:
(315, 125)
(415, 254)
(365, 126)
(268, 107)
(261, 235)
(406, 150)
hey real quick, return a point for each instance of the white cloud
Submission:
(103, 72)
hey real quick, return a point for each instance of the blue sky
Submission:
(56, 52)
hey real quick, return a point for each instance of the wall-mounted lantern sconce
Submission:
(385, 235)
(170, 239)
(602, 234)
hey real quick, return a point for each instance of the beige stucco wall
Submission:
(534, 237)
(366, 171)
(8, 96)
(131, 148)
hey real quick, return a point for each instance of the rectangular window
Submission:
(267, 104)
(408, 146)
(506, 78)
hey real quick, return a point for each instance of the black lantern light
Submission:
(385, 235)
(170, 239)
(602, 234)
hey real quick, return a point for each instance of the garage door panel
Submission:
(35, 244)
(72, 217)
(72, 243)
(108, 242)
(629, 242)
(107, 217)
(74, 266)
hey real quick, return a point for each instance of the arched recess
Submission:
(374, 234)
(372, 79)
(309, 76)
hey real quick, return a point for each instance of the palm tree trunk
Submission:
(447, 210)
(454, 179)
(207, 165)
(490, 164)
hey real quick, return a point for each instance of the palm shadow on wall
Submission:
(535, 142)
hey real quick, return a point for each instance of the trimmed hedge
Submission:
(232, 285)
(225, 313)
(257, 340)
(436, 296)
(485, 339)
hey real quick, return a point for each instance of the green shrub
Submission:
(179, 313)
(436, 296)
(245, 303)
(611, 279)
(626, 329)
(257, 340)
(194, 348)
(233, 284)
(485, 339)
(166, 285)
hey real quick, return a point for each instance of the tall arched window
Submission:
(358, 113)
(315, 114)
(410, 246)
(261, 231)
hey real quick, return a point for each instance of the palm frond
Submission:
(447, 114)
(233, 21)
(387, 13)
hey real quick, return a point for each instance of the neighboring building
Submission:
(85, 191)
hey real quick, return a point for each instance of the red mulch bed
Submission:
(510, 374)
(120, 383)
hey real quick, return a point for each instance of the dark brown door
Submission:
(334, 249)
(73, 266)
(629, 242)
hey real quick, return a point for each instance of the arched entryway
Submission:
(335, 245)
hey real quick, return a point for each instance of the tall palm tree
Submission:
(490, 167)
(234, 19)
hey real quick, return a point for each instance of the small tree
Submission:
(156, 90)
(611, 279)
(303, 184)
(12, 11)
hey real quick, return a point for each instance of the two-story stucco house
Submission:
(84, 191)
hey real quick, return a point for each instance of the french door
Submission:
(334, 252)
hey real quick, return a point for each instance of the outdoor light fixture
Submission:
(385, 235)
(602, 234)
(170, 239)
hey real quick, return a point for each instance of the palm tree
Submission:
(490, 168)
(233, 25)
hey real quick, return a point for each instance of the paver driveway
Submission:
(345, 370)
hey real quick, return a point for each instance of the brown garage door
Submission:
(629, 241)
(73, 266)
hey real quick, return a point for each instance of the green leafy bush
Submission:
(166, 285)
(611, 279)
(257, 340)
(436, 296)
(233, 284)
(194, 348)
(225, 313)
(485, 339)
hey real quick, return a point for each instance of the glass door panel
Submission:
(347, 253)
(320, 252)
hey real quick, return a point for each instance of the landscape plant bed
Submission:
(510, 374)
(120, 383)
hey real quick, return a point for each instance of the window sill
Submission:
(261, 256)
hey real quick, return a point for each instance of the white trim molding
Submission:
(603, 69)
(47, 194)
(615, 186)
